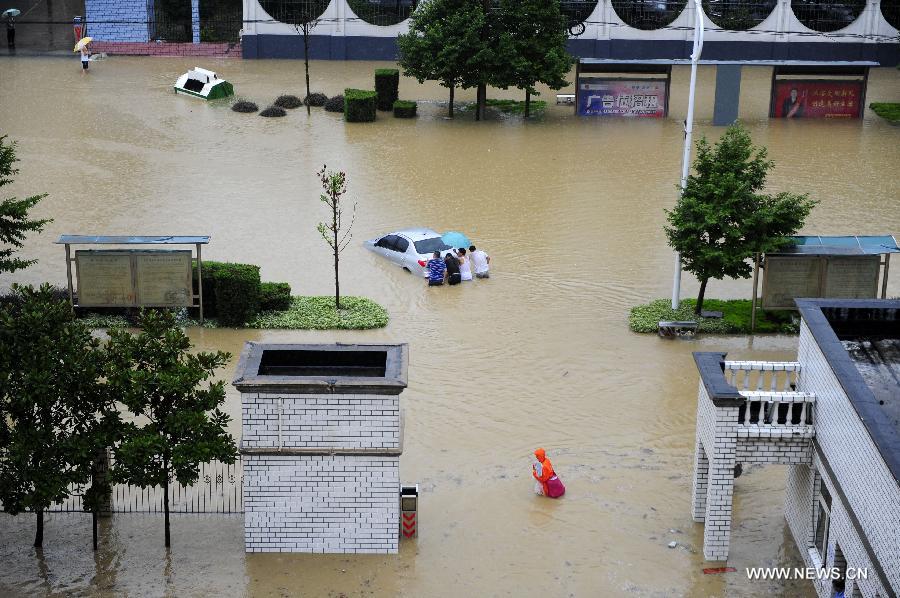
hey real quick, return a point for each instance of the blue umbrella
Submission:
(456, 239)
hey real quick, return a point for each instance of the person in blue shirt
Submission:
(436, 270)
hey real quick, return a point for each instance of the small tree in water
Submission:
(722, 219)
(178, 424)
(335, 186)
(52, 403)
(14, 221)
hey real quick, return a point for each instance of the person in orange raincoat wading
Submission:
(552, 485)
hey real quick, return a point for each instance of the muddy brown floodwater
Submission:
(540, 355)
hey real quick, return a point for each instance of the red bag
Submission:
(555, 487)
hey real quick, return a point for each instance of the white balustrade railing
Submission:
(774, 376)
(783, 409)
(770, 388)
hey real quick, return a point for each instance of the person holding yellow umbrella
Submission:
(82, 46)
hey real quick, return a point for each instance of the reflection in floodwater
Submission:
(571, 211)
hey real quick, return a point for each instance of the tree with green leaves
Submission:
(335, 186)
(532, 44)
(178, 423)
(446, 43)
(54, 410)
(723, 218)
(14, 220)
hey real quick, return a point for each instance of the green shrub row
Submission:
(359, 105)
(234, 293)
(387, 86)
(404, 109)
(736, 314)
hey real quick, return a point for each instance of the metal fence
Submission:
(218, 490)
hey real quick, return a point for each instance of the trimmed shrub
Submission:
(244, 106)
(315, 99)
(231, 292)
(273, 111)
(387, 83)
(404, 109)
(335, 104)
(236, 290)
(359, 105)
(274, 296)
(288, 101)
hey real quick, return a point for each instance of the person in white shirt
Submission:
(465, 265)
(481, 262)
(85, 59)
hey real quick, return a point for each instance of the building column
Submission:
(700, 484)
(195, 21)
(720, 491)
(728, 94)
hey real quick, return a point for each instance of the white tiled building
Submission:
(834, 417)
(321, 444)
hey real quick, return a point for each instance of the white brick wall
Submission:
(321, 421)
(863, 476)
(333, 504)
(321, 502)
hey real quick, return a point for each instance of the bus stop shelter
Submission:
(132, 277)
(842, 267)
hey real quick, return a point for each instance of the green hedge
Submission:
(231, 292)
(359, 105)
(387, 84)
(236, 289)
(274, 296)
(404, 109)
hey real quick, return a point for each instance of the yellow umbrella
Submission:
(82, 43)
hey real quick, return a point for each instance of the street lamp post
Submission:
(688, 130)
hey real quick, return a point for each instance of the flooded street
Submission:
(571, 210)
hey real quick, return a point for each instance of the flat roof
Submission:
(740, 62)
(860, 339)
(131, 240)
(845, 245)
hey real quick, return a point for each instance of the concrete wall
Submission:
(860, 475)
(780, 37)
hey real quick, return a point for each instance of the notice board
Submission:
(136, 278)
(788, 277)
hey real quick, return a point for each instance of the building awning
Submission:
(851, 245)
(130, 240)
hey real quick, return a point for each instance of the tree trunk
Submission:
(306, 62)
(481, 99)
(94, 524)
(699, 307)
(452, 89)
(337, 251)
(527, 103)
(166, 500)
(39, 533)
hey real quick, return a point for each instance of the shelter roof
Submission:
(848, 245)
(131, 240)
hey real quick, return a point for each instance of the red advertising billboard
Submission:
(817, 99)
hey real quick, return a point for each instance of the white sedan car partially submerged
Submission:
(410, 248)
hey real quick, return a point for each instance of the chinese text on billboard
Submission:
(621, 97)
(816, 99)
